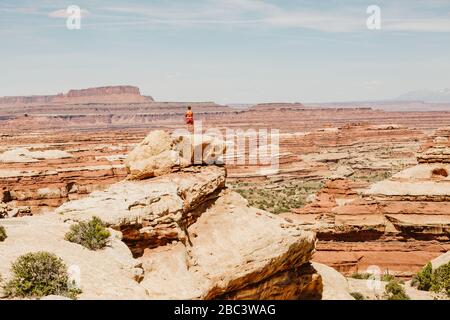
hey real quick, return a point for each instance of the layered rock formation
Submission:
(85, 161)
(397, 224)
(7, 211)
(436, 149)
(186, 236)
(114, 95)
(111, 94)
(277, 106)
(54, 152)
(46, 174)
(101, 91)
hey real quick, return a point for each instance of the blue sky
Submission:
(229, 51)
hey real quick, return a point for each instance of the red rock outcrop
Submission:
(96, 162)
(397, 224)
(58, 168)
(101, 91)
(191, 238)
(437, 148)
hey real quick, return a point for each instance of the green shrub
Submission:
(361, 276)
(395, 291)
(92, 235)
(436, 281)
(387, 277)
(440, 279)
(357, 295)
(423, 277)
(3, 235)
(39, 274)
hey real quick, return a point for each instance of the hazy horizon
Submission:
(247, 103)
(227, 51)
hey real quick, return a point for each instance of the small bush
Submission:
(357, 295)
(3, 235)
(423, 278)
(436, 281)
(92, 235)
(361, 276)
(440, 279)
(37, 275)
(387, 277)
(395, 291)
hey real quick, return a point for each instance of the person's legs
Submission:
(190, 124)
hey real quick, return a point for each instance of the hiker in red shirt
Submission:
(189, 117)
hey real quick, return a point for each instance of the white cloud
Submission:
(174, 75)
(243, 12)
(372, 84)
(259, 13)
(418, 25)
(328, 22)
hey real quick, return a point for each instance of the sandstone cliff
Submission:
(180, 235)
(398, 224)
(110, 94)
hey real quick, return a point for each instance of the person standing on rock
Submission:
(189, 118)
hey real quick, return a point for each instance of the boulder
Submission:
(197, 240)
(234, 252)
(161, 153)
(154, 156)
(153, 212)
(221, 248)
(335, 286)
(7, 211)
(3, 210)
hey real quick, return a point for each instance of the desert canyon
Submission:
(358, 185)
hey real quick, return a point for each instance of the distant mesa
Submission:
(100, 91)
(109, 94)
(278, 106)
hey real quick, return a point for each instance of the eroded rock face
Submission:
(54, 168)
(186, 236)
(397, 224)
(197, 240)
(437, 148)
(234, 252)
(200, 242)
(7, 211)
(150, 213)
(104, 91)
